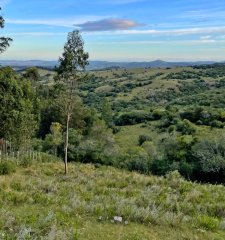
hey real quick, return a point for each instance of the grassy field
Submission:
(39, 202)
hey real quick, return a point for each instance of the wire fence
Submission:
(18, 155)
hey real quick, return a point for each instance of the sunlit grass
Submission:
(40, 202)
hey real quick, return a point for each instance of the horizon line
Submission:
(119, 61)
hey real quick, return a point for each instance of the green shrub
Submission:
(208, 223)
(160, 166)
(186, 127)
(158, 113)
(135, 159)
(132, 118)
(45, 157)
(25, 161)
(216, 124)
(150, 149)
(175, 153)
(143, 138)
(7, 167)
(16, 186)
(209, 154)
(173, 176)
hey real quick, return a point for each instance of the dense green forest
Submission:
(148, 120)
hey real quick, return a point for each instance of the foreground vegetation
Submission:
(38, 201)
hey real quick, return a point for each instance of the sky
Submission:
(116, 30)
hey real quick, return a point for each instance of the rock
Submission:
(118, 219)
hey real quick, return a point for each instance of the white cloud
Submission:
(204, 14)
(206, 37)
(168, 32)
(201, 41)
(27, 34)
(56, 22)
(186, 42)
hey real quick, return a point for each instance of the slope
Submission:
(38, 202)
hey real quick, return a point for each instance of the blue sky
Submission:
(117, 30)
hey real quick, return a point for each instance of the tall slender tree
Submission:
(70, 71)
(4, 41)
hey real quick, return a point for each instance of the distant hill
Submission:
(95, 65)
(19, 64)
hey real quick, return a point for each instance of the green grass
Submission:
(130, 140)
(128, 136)
(39, 202)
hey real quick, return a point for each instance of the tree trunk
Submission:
(55, 150)
(67, 141)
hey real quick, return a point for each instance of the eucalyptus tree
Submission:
(71, 70)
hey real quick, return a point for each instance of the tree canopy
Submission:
(18, 109)
(4, 41)
(73, 60)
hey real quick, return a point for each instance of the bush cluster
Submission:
(7, 167)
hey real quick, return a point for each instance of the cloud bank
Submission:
(169, 32)
(55, 22)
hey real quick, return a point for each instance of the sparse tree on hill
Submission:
(70, 72)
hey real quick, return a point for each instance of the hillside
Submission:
(154, 86)
(150, 112)
(39, 202)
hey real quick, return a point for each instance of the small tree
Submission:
(32, 74)
(54, 139)
(70, 72)
(4, 41)
(107, 113)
